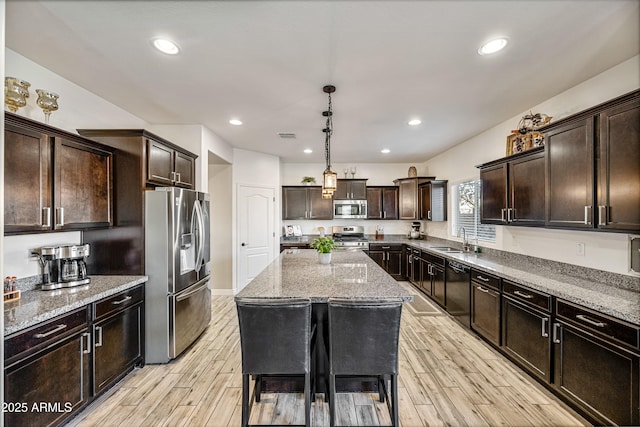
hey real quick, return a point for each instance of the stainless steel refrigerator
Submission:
(178, 263)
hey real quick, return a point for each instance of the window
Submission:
(466, 212)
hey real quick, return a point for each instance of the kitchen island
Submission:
(296, 273)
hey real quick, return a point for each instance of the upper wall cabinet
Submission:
(54, 180)
(382, 202)
(433, 200)
(592, 173)
(351, 189)
(408, 196)
(165, 163)
(513, 189)
(305, 202)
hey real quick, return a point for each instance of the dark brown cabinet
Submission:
(513, 189)
(414, 266)
(169, 166)
(433, 280)
(408, 196)
(433, 200)
(351, 189)
(382, 202)
(54, 180)
(118, 337)
(48, 365)
(305, 202)
(597, 364)
(618, 170)
(485, 305)
(388, 256)
(526, 321)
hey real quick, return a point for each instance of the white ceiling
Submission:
(265, 62)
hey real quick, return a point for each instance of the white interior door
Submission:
(256, 231)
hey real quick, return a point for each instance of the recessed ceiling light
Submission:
(385, 151)
(492, 46)
(166, 46)
(414, 122)
(235, 122)
(308, 150)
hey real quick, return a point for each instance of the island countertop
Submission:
(297, 273)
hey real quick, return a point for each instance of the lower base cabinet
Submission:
(389, 257)
(485, 312)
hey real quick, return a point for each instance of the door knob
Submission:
(244, 244)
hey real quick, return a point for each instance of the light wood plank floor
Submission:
(448, 377)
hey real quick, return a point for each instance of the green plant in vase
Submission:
(324, 246)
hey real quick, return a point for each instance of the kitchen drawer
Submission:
(385, 247)
(118, 302)
(433, 259)
(600, 324)
(527, 295)
(43, 334)
(485, 279)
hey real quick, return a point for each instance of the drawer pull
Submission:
(125, 299)
(58, 328)
(481, 289)
(484, 279)
(386, 247)
(589, 321)
(523, 295)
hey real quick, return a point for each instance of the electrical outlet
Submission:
(580, 249)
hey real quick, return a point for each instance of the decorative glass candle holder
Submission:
(16, 92)
(48, 101)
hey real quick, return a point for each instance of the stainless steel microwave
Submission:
(346, 209)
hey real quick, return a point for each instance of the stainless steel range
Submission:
(350, 238)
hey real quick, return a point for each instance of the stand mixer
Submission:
(415, 230)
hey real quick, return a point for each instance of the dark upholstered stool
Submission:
(363, 342)
(275, 338)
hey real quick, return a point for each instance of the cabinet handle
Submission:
(523, 295)
(386, 247)
(502, 213)
(384, 214)
(84, 350)
(484, 279)
(178, 177)
(544, 332)
(59, 217)
(125, 299)
(99, 339)
(587, 215)
(509, 214)
(428, 214)
(46, 217)
(602, 219)
(410, 257)
(555, 338)
(58, 328)
(481, 289)
(590, 321)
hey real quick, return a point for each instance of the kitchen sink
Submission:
(446, 249)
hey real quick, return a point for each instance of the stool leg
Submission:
(307, 399)
(245, 400)
(394, 399)
(258, 387)
(332, 400)
(381, 388)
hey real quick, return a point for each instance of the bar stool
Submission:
(363, 343)
(275, 338)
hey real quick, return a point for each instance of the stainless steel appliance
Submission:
(63, 266)
(415, 230)
(177, 261)
(350, 238)
(349, 209)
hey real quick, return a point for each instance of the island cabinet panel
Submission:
(618, 173)
(382, 202)
(485, 305)
(118, 337)
(48, 365)
(27, 180)
(526, 320)
(351, 189)
(513, 190)
(305, 202)
(597, 364)
(54, 180)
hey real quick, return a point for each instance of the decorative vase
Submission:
(16, 92)
(324, 258)
(413, 172)
(48, 101)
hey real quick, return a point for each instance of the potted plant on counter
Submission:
(324, 246)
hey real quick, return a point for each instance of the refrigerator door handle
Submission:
(197, 210)
(184, 296)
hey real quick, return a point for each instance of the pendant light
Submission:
(330, 178)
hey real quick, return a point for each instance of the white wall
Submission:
(220, 191)
(605, 251)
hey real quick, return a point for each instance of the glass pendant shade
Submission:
(330, 180)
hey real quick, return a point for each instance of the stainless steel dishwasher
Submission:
(458, 292)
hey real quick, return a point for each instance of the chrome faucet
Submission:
(465, 244)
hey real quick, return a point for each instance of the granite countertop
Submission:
(37, 306)
(609, 293)
(297, 273)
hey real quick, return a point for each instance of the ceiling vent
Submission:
(287, 135)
